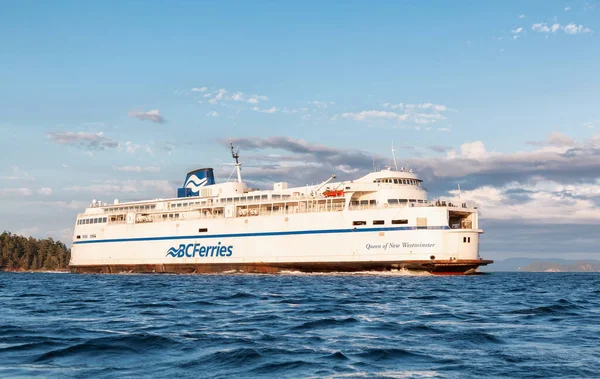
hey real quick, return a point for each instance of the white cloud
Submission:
(541, 27)
(423, 113)
(212, 114)
(10, 192)
(522, 16)
(567, 8)
(570, 29)
(152, 115)
(116, 187)
(269, 110)
(222, 95)
(199, 89)
(86, 140)
(591, 124)
(369, 115)
(517, 30)
(576, 29)
(322, 104)
(45, 191)
(17, 174)
(555, 28)
(544, 202)
(136, 169)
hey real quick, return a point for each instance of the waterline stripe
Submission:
(265, 234)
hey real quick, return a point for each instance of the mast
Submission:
(394, 156)
(238, 166)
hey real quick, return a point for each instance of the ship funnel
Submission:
(195, 180)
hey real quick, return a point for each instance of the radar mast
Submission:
(238, 166)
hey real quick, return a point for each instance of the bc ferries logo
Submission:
(194, 183)
(190, 250)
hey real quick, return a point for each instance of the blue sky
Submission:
(118, 99)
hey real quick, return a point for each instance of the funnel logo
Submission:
(194, 183)
(193, 249)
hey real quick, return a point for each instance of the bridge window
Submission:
(356, 223)
(378, 222)
(399, 222)
(202, 230)
(392, 201)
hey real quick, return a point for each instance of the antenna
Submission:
(458, 191)
(238, 166)
(394, 156)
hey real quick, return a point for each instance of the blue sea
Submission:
(396, 325)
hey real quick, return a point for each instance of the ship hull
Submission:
(322, 242)
(461, 267)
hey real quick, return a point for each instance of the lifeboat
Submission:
(333, 193)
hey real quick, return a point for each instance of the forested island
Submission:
(18, 253)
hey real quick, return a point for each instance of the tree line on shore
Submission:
(21, 253)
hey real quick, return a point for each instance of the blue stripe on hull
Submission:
(265, 234)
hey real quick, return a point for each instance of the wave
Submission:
(121, 344)
(561, 307)
(326, 323)
(388, 354)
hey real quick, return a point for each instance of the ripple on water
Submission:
(366, 325)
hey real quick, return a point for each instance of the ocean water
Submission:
(521, 325)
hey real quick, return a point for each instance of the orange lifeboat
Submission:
(333, 193)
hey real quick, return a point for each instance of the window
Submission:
(399, 222)
(92, 236)
(392, 201)
(264, 197)
(78, 237)
(464, 239)
(403, 201)
(372, 202)
(355, 223)
(202, 230)
(395, 181)
(378, 222)
(276, 197)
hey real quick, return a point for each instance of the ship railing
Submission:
(263, 209)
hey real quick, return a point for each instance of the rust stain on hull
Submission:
(455, 267)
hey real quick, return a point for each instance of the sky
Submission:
(119, 99)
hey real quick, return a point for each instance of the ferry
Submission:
(382, 221)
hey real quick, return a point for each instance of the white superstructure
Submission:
(381, 221)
